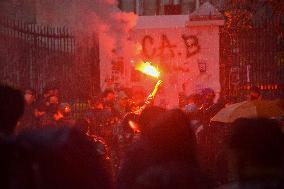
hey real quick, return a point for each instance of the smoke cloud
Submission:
(89, 17)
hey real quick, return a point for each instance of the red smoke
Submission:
(89, 17)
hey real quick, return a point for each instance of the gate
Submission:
(253, 58)
(39, 56)
(35, 56)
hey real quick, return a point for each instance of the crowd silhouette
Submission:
(157, 148)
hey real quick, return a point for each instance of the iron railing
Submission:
(33, 56)
(253, 58)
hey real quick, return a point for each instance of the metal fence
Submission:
(253, 58)
(38, 56)
(34, 56)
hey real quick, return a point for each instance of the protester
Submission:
(209, 108)
(208, 96)
(48, 119)
(95, 116)
(109, 114)
(148, 116)
(122, 105)
(147, 146)
(55, 158)
(256, 155)
(192, 103)
(63, 116)
(11, 109)
(108, 97)
(164, 157)
(47, 105)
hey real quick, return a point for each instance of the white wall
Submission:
(179, 68)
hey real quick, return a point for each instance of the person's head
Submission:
(256, 144)
(64, 108)
(208, 94)
(192, 103)
(171, 133)
(254, 93)
(122, 99)
(11, 108)
(49, 158)
(29, 96)
(165, 157)
(148, 116)
(108, 95)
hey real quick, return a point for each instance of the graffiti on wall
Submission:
(150, 49)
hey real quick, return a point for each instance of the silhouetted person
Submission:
(132, 126)
(108, 99)
(11, 109)
(50, 158)
(256, 154)
(52, 105)
(208, 96)
(254, 94)
(96, 116)
(148, 116)
(164, 157)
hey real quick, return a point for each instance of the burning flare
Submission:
(148, 69)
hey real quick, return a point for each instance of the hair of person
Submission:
(58, 158)
(11, 108)
(148, 116)
(171, 134)
(178, 175)
(261, 138)
(164, 158)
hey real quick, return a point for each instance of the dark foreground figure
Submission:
(255, 151)
(163, 157)
(163, 154)
(53, 158)
(11, 109)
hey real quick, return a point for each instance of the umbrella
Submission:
(250, 109)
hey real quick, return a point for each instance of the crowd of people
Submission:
(123, 141)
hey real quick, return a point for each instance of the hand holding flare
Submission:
(150, 70)
(154, 92)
